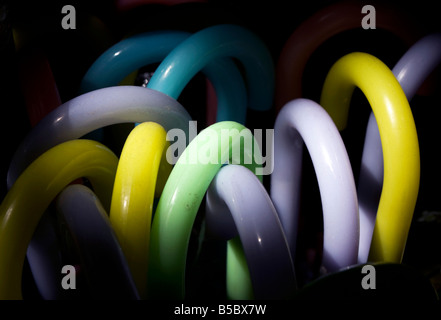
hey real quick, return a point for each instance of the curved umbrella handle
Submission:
(213, 43)
(36, 188)
(86, 221)
(411, 71)
(237, 194)
(399, 142)
(142, 172)
(304, 121)
(93, 110)
(321, 26)
(151, 47)
(178, 205)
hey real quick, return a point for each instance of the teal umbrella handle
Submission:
(210, 44)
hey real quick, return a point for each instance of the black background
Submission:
(70, 54)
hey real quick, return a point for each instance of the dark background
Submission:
(71, 52)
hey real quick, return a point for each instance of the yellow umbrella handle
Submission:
(35, 189)
(137, 178)
(399, 142)
(323, 25)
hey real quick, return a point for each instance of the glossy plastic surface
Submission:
(323, 25)
(93, 110)
(133, 194)
(411, 71)
(182, 196)
(101, 258)
(144, 49)
(399, 142)
(36, 188)
(213, 43)
(237, 194)
(304, 122)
